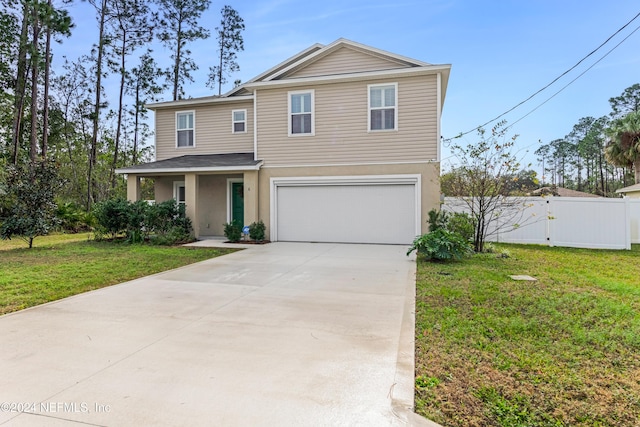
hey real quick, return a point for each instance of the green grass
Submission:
(60, 266)
(561, 351)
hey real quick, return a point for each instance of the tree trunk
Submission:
(96, 111)
(220, 66)
(636, 169)
(33, 140)
(136, 125)
(45, 105)
(120, 102)
(20, 86)
(176, 67)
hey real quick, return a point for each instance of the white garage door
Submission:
(347, 212)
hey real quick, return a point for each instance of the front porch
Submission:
(214, 188)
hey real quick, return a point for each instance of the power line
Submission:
(558, 78)
(580, 75)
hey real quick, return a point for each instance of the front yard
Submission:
(563, 350)
(59, 266)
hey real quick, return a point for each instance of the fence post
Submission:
(627, 223)
(551, 234)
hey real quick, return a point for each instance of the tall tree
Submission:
(131, 26)
(623, 148)
(143, 85)
(627, 102)
(230, 42)
(20, 91)
(55, 21)
(178, 27)
(102, 10)
(35, 60)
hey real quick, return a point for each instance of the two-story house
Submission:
(339, 143)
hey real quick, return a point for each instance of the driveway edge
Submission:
(402, 392)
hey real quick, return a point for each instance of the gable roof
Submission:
(630, 189)
(285, 72)
(391, 66)
(342, 43)
(561, 192)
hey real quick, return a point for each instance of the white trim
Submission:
(176, 186)
(193, 113)
(411, 162)
(395, 106)
(197, 101)
(275, 182)
(230, 182)
(313, 112)
(193, 169)
(438, 114)
(234, 121)
(326, 50)
(368, 75)
(255, 125)
(293, 59)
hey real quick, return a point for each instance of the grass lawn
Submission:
(62, 265)
(561, 351)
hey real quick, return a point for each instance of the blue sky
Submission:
(501, 52)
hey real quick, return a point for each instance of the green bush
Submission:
(441, 245)
(163, 223)
(257, 230)
(137, 227)
(73, 219)
(233, 231)
(462, 224)
(437, 219)
(112, 217)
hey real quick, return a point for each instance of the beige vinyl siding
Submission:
(345, 60)
(341, 126)
(213, 133)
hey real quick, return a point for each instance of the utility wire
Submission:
(580, 75)
(557, 78)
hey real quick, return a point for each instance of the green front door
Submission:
(237, 202)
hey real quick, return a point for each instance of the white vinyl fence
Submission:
(564, 221)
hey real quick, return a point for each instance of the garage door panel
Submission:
(374, 213)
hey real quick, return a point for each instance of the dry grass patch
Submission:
(564, 350)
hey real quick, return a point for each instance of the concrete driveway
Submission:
(282, 334)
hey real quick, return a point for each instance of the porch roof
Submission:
(197, 163)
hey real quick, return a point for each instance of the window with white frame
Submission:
(179, 192)
(239, 121)
(383, 101)
(185, 129)
(301, 113)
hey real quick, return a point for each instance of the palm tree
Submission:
(623, 148)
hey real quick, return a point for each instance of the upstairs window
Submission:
(239, 121)
(383, 101)
(301, 113)
(185, 129)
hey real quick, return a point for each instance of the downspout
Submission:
(438, 115)
(255, 124)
